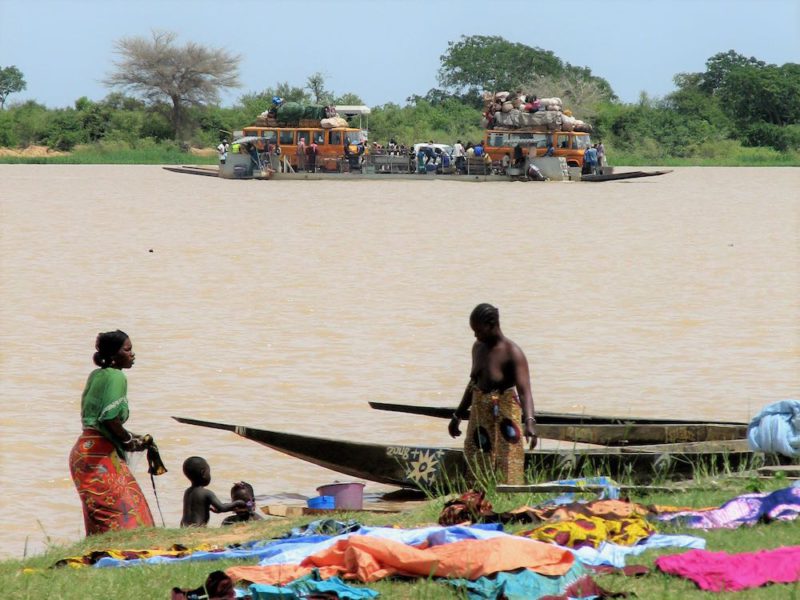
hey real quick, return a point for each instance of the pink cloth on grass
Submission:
(723, 572)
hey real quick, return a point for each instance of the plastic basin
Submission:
(322, 503)
(348, 496)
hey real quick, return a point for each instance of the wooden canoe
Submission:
(427, 467)
(190, 170)
(606, 431)
(626, 175)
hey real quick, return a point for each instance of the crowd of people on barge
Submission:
(459, 158)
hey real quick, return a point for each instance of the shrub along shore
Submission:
(35, 577)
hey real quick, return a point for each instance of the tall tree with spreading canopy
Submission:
(480, 62)
(719, 66)
(158, 70)
(491, 63)
(11, 82)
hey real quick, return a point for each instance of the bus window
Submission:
(581, 142)
(287, 137)
(319, 136)
(336, 138)
(270, 135)
(562, 141)
(496, 139)
(305, 136)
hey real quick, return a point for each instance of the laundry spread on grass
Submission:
(747, 509)
(776, 429)
(556, 558)
(723, 572)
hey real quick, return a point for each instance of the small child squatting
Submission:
(242, 490)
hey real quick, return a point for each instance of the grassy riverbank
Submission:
(33, 577)
(145, 153)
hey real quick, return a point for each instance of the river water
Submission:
(289, 305)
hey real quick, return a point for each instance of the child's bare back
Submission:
(199, 501)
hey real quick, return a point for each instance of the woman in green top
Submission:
(109, 493)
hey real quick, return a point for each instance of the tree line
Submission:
(168, 93)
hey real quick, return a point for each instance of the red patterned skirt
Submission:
(109, 493)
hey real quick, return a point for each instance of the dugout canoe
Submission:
(605, 431)
(193, 170)
(429, 467)
(624, 175)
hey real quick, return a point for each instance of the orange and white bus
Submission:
(330, 142)
(569, 144)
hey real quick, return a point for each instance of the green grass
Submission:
(727, 154)
(119, 153)
(33, 577)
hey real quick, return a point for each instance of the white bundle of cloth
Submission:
(776, 429)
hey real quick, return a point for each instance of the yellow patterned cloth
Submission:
(175, 551)
(592, 531)
(494, 442)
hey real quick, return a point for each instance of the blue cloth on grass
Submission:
(308, 586)
(776, 429)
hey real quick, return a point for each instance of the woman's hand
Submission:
(137, 443)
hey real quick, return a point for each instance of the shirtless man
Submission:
(498, 397)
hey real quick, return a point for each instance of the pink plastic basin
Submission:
(348, 496)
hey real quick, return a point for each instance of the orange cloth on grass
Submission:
(275, 574)
(368, 559)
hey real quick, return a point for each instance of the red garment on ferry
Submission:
(110, 496)
(723, 572)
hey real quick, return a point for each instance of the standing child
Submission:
(198, 501)
(242, 490)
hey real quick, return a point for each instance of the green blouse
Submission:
(105, 397)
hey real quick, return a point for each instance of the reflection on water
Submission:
(289, 305)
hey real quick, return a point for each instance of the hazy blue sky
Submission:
(387, 50)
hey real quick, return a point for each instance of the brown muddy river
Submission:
(289, 305)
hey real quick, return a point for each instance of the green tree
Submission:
(159, 71)
(424, 121)
(770, 94)
(11, 82)
(348, 98)
(691, 102)
(492, 63)
(288, 93)
(8, 136)
(315, 84)
(65, 129)
(719, 66)
(30, 122)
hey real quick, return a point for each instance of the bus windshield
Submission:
(504, 139)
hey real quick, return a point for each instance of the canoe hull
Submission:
(432, 468)
(605, 431)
